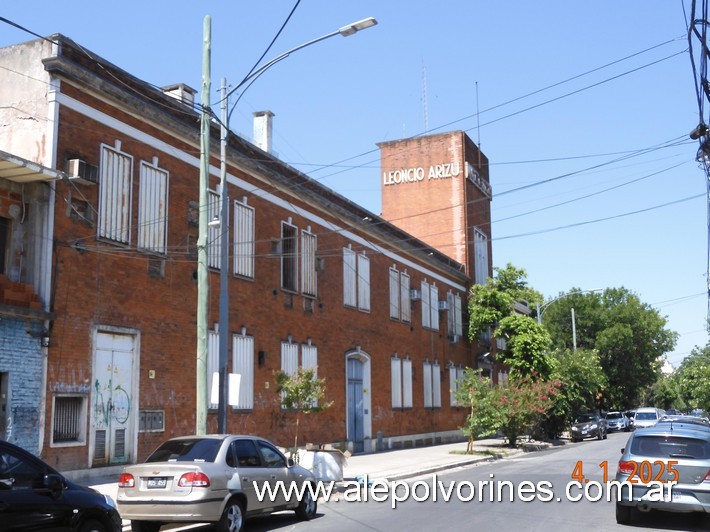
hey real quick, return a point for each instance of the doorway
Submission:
(358, 401)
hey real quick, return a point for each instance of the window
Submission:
(406, 383)
(243, 364)
(270, 455)
(290, 357)
(153, 208)
(247, 455)
(214, 231)
(115, 195)
(289, 257)
(455, 376)
(356, 280)
(244, 223)
(400, 306)
(309, 276)
(480, 249)
(430, 306)
(213, 365)
(396, 379)
(401, 379)
(432, 385)
(455, 317)
(68, 424)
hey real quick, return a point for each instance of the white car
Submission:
(616, 421)
(647, 417)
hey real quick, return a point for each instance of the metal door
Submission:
(112, 423)
(356, 432)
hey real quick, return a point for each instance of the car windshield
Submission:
(645, 416)
(193, 450)
(586, 418)
(613, 415)
(670, 447)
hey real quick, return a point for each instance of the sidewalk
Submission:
(386, 465)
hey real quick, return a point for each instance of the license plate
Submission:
(157, 483)
(675, 496)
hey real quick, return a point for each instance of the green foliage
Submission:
(491, 308)
(526, 344)
(491, 302)
(302, 392)
(665, 393)
(629, 336)
(694, 378)
(582, 381)
(474, 392)
(514, 409)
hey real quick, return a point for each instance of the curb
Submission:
(391, 477)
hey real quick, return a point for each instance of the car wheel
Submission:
(145, 526)
(606, 434)
(623, 514)
(599, 434)
(306, 509)
(93, 526)
(232, 517)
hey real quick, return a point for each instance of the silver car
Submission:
(218, 479)
(669, 452)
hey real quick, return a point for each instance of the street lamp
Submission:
(223, 221)
(542, 308)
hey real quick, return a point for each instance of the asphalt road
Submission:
(539, 477)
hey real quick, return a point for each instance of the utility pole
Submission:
(224, 267)
(203, 294)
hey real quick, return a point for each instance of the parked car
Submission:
(647, 417)
(213, 478)
(588, 426)
(663, 453)
(616, 421)
(33, 496)
(630, 417)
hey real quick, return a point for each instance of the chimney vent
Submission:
(181, 92)
(262, 129)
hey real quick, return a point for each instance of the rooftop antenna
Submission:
(425, 103)
(478, 126)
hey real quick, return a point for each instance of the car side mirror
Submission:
(54, 484)
(623, 450)
(290, 462)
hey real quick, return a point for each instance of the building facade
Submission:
(314, 280)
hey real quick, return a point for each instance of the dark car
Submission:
(33, 496)
(588, 426)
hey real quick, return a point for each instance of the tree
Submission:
(582, 381)
(513, 409)
(302, 392)
(474, 392)
(665, 393)
(694, 378)
(492, 308)
(629, 336)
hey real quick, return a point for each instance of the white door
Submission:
(112, 423)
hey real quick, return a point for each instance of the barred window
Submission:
(69, 419)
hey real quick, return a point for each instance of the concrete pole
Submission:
(574, 333)
(224, 268)
(203, 294)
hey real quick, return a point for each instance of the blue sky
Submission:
(583, 110)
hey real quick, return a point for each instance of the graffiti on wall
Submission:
(112, 402)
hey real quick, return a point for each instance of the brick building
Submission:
(314, 279)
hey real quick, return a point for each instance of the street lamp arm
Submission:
(345, 31)
(542, 308)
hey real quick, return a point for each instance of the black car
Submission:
(33, 496)
(588, 426)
